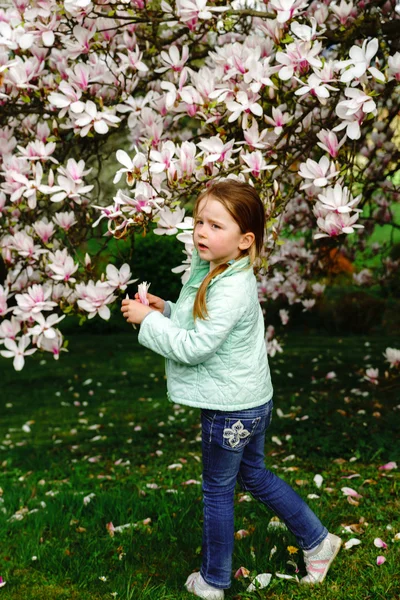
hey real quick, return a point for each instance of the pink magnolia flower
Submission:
(65, 220)
(4, 295)
(215, 150)
(336, 223)
(186, 158)
(298, 58)
(278, 119)
(344, 11)
(256, 163)
(320, 173)
(371, 375)
(316, 87)
(119, 279)
(94, 297)
(9, 329)
(25, 246)
(44, 229)
(17, 351)
(63, 266)
(338, 199)
(33, 301)
(394, 67)
(67, 98)
(53, 345)
(142, 290)
(161, 160)
(132, 59)
(329, 142)
(173, 60)
(285, 9)
(37, 150)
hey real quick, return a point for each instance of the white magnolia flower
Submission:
(392, 355)
(359, 61)
(338, 199)
(101, 121)
(119, 279)
(17, 351)
(319, 173)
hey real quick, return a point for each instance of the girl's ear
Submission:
(247, 240)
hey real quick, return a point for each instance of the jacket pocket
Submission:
(238, 432)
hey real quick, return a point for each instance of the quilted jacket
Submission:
(217, 363)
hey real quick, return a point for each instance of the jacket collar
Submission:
(199, 269)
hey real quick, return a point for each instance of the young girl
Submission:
(213, 342)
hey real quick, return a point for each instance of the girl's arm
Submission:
(194, 346)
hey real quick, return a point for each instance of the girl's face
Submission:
(217, 236)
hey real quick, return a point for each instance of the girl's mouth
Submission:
(202, 247)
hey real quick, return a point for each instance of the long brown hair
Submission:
(246, 208)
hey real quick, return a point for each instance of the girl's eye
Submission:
(216, 226)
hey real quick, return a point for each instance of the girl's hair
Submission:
(246, 208)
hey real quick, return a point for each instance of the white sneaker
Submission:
(197, 586)
(319, 560)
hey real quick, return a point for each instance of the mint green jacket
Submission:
(221, 362)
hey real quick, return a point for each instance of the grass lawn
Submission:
(91, 439)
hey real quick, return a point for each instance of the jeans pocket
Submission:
(238, 432)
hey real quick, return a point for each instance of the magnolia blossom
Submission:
(119, 279)
(338, 199)
(169, 220)
(329, 142)
(101, 121)
(17, 351)
(65, 219)
(343, 11)
(9, 329)
(245, 102)
(142, 290)
(45, 326)
(371, 375)
(94, 298)
(359, 60)
(336, 223)
(4, 291)
(392, 355)
(52, 344)
(319, 173)
(35, 300)
(287, 8)
(353, 112)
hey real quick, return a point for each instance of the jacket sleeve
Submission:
(194, 346)
(168, 307)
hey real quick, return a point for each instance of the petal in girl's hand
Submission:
(142, 289)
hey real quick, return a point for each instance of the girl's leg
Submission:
(278, 495)
(224, 438)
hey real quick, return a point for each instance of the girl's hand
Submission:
(155, 302)
(134, 311)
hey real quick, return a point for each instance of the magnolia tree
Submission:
(299, 98)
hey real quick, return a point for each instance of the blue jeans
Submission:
(233, 450)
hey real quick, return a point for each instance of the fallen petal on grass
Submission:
(380, 560)
(259, 582)
(350, 492)
(352, 542)
(380, 543)
(318, 479)
(242, 572)
(389, 466)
